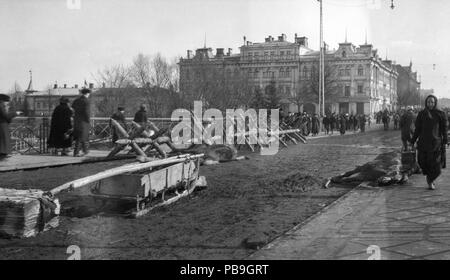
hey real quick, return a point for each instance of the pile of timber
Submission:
(24, 213)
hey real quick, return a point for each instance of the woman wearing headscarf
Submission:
(431, 132)
(5, 119)
(60, 129)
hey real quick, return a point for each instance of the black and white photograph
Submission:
(239, 131)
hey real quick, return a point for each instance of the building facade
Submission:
(408, 86)
(359, 80)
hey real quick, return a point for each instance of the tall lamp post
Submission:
(321, 67)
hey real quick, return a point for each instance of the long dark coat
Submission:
(140, 116)
(431, 132)
(407, 126)
(5, 137)
(81, 120)
(61, 124)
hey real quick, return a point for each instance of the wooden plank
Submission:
(120, 170)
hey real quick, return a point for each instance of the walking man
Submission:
(82, 118)
(431, 133)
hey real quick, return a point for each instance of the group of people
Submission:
(63, 133)
(71, 123)
(330, 123)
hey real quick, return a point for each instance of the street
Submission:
(246, 205)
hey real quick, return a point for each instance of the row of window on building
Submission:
(269, 53)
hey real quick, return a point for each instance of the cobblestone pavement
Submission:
(395, 223)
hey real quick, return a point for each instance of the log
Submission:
(135, 140)
(119, 170)
(24, 213)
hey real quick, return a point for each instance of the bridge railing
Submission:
(30, 134)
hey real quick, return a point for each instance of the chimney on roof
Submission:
(91, 85)
(55, 86)
(219, 52)
(76, 86)
(189, 54)
(65, 85)
(302, 41)
(103, 85)
(229, 51)
(282, 38)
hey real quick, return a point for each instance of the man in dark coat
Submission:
(326, 124)
(119, 116)
(82, 118)
(5, 119)
(386, 119)
(61, 127)
(431, 132)
(362, 122)
(141, 116)
(333, 123)
(343, 124)
(407, 127)
(315, 125)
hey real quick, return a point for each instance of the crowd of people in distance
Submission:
(313, 124)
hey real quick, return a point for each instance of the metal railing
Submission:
(30, 134)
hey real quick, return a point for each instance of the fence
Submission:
(29, 135)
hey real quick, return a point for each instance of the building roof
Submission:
(57, 92)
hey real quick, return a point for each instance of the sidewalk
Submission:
(405, 222)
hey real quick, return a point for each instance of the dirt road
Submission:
(246, 204)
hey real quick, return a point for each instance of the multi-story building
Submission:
(408, 86)
(359, 81)
(42, 103)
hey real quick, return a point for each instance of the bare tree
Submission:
(116, 76)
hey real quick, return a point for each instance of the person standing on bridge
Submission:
(141, 116)
(81, 122)
(431, 133)
(5, 119)
(118, 116)
(61, 127)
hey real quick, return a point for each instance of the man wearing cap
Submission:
(81, 122)
(119, 116)
(5, 119)
(141, 116)
(61, 127)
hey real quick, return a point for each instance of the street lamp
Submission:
(321, 66)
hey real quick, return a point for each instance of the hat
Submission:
(4, 98)
(121, 108)
(64, 100)
(85, 91)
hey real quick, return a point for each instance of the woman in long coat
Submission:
(5, 118)
(61, 126)
(431, 132)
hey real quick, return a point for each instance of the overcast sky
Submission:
(68, 45)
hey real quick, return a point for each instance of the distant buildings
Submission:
(408, 86)
(42, 103)
(359, 81)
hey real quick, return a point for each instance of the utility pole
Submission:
(320, 61)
